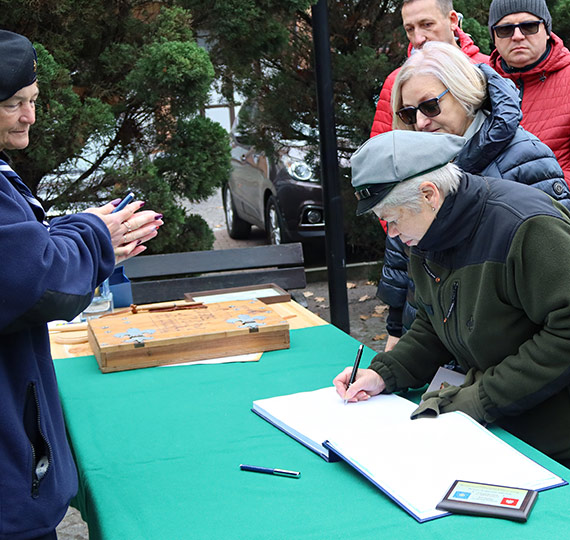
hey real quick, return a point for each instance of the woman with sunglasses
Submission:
(439, 90)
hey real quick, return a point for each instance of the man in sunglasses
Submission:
(424, 20)
(536, 60)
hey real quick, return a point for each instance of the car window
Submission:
(242, 128)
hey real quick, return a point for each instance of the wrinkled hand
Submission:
(129, 228)
(367, 383)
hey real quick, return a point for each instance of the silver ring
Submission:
(128, 226)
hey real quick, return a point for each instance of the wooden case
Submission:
(146, 339)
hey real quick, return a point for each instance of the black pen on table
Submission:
(355, 367)
(267, 470)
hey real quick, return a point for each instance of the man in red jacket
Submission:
(424, 20)
(531, 55)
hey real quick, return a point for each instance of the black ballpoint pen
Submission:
(355, 368)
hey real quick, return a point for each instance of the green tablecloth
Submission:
(158, 452)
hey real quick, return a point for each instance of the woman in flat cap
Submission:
(49, 272)
(491, 264)
(439, 90)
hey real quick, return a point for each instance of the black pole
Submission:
(334, 226)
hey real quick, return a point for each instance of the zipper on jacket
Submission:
(457, 344)
(41, 464)
(429, 272)
(35, 479)
(452, 330)
(453, 302)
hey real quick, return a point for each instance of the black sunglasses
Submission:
(527, 28)
(429, 108)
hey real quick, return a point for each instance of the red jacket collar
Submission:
(467, 46)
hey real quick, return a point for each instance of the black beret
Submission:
(18, 63)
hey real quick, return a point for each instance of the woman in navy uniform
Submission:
(50, 270)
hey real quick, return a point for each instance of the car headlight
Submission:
(314, 216)
(299, 170)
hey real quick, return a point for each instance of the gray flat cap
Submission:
(383, 161)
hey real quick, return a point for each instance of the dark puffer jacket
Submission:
(501, 149)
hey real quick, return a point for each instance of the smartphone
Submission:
(128, 199)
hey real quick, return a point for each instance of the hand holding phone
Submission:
(128, 199)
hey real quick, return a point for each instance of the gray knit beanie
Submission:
(502, 8)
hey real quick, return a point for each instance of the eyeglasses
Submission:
(527, 28)
(429, 108)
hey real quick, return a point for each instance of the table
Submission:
(158, 452)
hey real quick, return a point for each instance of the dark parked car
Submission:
(277, 193)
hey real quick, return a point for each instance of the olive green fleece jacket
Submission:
(492, 278)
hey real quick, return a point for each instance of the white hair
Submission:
(407, 194)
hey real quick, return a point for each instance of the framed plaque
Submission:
(489, 500)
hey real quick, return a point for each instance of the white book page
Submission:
(415, 461)
(237, 295)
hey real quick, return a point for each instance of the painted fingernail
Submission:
(158, 216)
(141, 204)
(116, 202)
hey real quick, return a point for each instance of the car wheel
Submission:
(273, 227)
(237, 227)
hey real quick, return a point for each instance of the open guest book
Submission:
(414, 462)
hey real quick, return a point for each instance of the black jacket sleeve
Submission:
(393, 286)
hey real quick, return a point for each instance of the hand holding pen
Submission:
(354, 368)
(354, 384)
